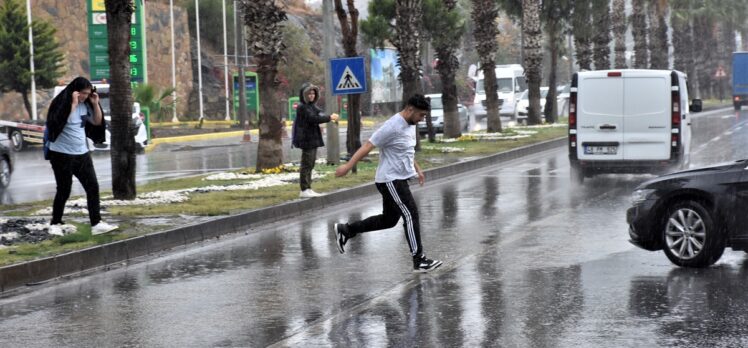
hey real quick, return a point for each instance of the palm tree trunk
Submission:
(582, 33)
(639, 31)
(119, 14)
(618, 17)
(407, 40)
(550, 99)
(658, 47)
(601, 53)
(270, 147)
(485, 13)
(446, 49)
(533, 56)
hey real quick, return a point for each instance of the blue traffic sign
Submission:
(348, 75)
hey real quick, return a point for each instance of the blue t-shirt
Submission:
(72, 139)
(396, 140)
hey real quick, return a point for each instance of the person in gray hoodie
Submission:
(307, 136)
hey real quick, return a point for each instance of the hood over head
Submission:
(306, 87)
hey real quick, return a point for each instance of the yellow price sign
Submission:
(98, 6)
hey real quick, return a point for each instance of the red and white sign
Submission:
(99, 17)
(295, 105)
(720, 72)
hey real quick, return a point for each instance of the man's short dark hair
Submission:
(419, 102)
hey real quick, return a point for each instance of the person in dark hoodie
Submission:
(74, 115)
(307, 135)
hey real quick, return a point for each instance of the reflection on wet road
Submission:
(530, 261)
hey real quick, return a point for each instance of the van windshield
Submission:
(504, 85)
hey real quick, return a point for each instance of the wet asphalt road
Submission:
(530, 261)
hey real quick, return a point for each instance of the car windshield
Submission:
(436, 103)
(504, 85)
(525, 94)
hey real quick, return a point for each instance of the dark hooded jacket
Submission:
(59, 110)
(306, 132)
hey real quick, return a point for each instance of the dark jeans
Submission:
(397, 202)
(81, 166)
(308, 157)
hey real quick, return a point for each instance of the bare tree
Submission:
(349, 29)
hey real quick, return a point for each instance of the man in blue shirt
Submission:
(396, 140)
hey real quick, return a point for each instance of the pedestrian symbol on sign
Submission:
(348, 80)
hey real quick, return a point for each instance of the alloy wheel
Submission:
(685, 233)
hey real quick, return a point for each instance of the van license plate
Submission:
(600, 150)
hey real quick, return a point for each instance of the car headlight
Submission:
(641, 195)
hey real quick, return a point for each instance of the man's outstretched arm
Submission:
(364, 150)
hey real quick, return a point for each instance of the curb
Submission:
(21, 276)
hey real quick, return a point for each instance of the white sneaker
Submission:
(55, 230)
(103, 227)
(308, 193)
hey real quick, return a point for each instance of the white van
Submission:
(510, 80)
(628, 121)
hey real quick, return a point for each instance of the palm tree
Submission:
(619, 25)
(408, 14)
(639, 31)
(553, 13)
(158, 102)
(533, 56)
(582, 33)
(349, 30)
(263, 19)
(683, 39)
(658, 47)
(449, 25)
(485, 13)
(601, 38)
(119, 14)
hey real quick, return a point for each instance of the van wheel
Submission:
(4, 172)
(16, 140)
(689, 235)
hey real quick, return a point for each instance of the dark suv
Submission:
(692, 215)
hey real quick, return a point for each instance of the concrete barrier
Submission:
(19, 276)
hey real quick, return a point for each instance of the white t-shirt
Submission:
(396, 140)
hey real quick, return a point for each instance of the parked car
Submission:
(437, 115)
(6, 166)
(523, 102)
(692, 215)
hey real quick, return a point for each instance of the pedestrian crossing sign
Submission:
(348, 75)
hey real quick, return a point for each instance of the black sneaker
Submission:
(423, 265)
(340, 238)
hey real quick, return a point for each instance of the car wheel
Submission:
(16, 140)
(690, 238)
(4, 173)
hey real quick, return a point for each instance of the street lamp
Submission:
(199, 59)
(173, 64)
(31, 60)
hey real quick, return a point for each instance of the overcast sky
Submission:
(360, 5)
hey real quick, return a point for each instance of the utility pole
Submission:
(333, 141)
(226, 64)
(31, 59)
(199, 61)
(173, 63)
(238, 43)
